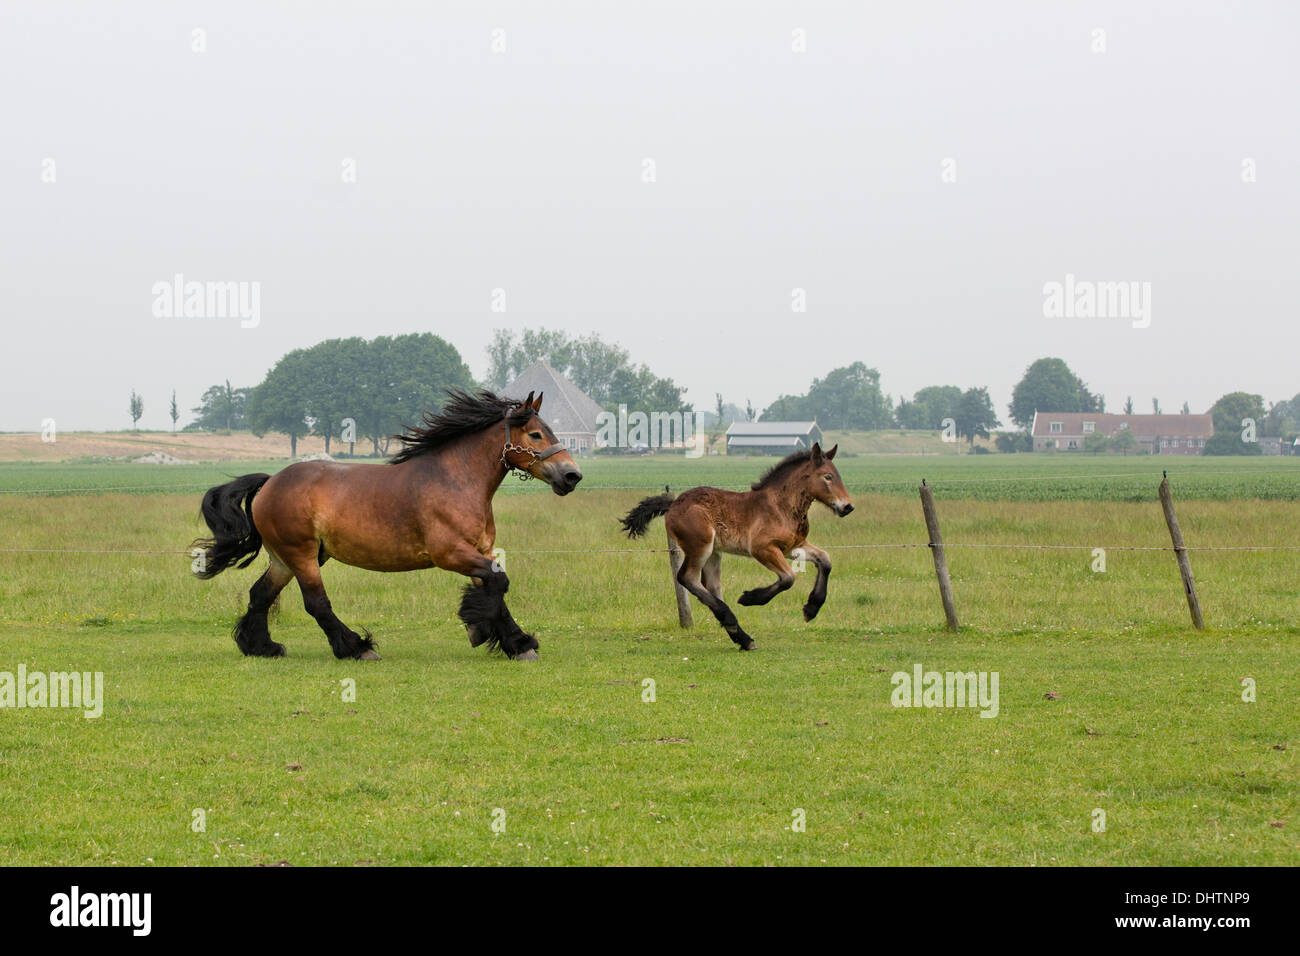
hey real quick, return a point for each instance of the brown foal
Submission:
(430, 506)
(768, 523)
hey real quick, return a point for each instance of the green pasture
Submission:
(1109, 701)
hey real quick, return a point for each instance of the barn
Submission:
(771, 438)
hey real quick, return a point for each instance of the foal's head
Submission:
(827, 486)
(813, 473)
(535, 449)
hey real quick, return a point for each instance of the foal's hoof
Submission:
(810, 612)
(748, 645)
(369, 655)
(749, 598)
(529, 655)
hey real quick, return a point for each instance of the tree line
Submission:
(382, 384)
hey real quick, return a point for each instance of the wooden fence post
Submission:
(940, 559)
(676, 558)
(1180, 551)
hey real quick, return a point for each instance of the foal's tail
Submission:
(228, 510)
(640, 517)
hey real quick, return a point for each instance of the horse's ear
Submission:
(831, 454)
(528, 401)
(817, 453)
(537, 405)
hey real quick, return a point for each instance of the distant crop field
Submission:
(793, 754)
(1022, 477)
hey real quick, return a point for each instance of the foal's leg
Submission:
(818, 596)
(689, 578)
(711, 574)
(771, 558)
(251, 633)
(483, 606)
(344, 642)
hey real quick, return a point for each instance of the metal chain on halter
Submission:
(520, 473)
(510, 446)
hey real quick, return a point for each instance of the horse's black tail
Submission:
(228, 511)
(639, 517)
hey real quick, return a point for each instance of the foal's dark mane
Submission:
(464, 414)
(781, 470)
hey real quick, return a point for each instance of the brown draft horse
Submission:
(430, 506)
(768, 523)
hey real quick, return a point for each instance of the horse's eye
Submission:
(827, 477)
(536, 436)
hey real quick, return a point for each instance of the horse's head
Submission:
(533, 448)
(824, 482)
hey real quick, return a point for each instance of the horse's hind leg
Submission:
(689, 577)
(251, 633)
(344, 642)
(711, 575)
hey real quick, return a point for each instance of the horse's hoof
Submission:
(369, 655)
(748, 599)
(748, 646)
(529, 655)
(270, 650)
(810, 612)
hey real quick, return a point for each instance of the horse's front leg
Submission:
(818, 596)
(483, 607)
(771, 558)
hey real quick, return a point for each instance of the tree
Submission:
(137, 409)
(332, 394)
(1048, 385)
(975, 416)
(1283, 419)
(1230, 443)
(1128, 406)
(175, 412)
(848, 397)
(508, 356)
(604, 371)
(929, 407)
(280, 402)
(1229, 412)
(1123, 442)
(398, 378)
(750, 414)
(1186, 410)
(221, 408)
(1097, 442)
(1155, 406)
(1012, 442)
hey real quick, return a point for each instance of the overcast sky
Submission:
(523, 169)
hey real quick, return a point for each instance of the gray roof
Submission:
(771, 428)
(766, 441)
(566, 408)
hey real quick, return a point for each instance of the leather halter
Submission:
(510, 446)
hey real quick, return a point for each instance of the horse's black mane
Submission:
(464, 413)
(782, 468)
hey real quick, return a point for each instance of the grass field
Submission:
(1108, 699)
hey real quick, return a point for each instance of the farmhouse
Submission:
(569, 411)
(771, 438)
(1155, 434)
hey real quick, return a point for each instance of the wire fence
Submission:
(828, 547)
(178, 487)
